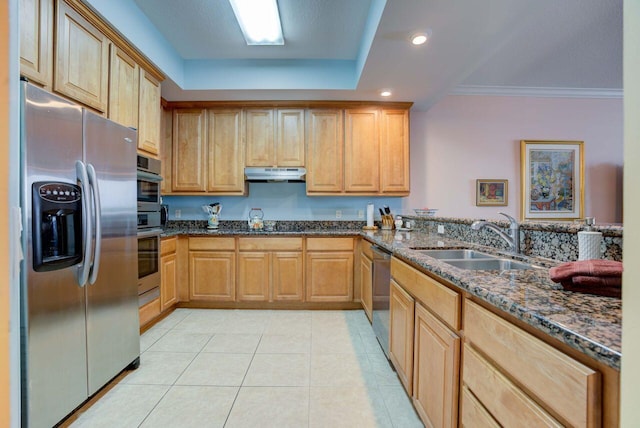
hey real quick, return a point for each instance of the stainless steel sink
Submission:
(457, 254)
(489, 264)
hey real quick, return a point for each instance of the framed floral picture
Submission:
(552, 177)
(491, 193)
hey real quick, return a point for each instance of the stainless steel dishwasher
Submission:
(380, 295)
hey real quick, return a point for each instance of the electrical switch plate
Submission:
(338, 213)
(360, 213)
(178, 213)
(440, 228)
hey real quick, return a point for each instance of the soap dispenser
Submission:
(589, 241)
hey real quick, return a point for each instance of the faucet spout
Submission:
(512, 237)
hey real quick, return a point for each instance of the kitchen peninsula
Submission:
(581, 333)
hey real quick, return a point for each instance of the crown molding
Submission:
(525, 91)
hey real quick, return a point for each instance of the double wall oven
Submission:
(149, 229)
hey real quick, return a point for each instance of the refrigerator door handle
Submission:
(97, 212)
(83, 178)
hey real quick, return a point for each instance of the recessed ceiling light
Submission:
(385, 93)
(259, 21)
(419, 38)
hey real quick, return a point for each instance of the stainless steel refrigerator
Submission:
(79, 314)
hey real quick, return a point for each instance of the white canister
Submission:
(589, 244)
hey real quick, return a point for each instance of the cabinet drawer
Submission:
(567, 387)
(225, 244)
(440, 299)
(506, 402)
(365, 248)
(329, 244)
(270, 244)
(473, 414)
(168, 245)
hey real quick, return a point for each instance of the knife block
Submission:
(387, 222)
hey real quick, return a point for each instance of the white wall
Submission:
(463, 138)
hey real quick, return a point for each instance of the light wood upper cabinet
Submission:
(325, 145)
(394, 151)
(166, 155)
(259, 135)
(362, 151)
(275, 137)
(289, 144)
(124, 83)
(149, 115)
(189, 150)
(82, 59)
(36, 41)
(225, 172)
(436, 364)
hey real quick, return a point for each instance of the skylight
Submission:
(259, 21)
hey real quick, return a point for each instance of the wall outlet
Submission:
(360, 213)
(440, 228)
(338, 213)
(178, 213)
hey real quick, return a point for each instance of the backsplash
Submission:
(557, 241)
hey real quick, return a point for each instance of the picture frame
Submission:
(491, 192)
(552, 178)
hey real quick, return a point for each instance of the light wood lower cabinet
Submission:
(287, 276)
(212, 269)
(366, 278)
(526, 378)
(169, 274)
(401, 325)
(329, 272)
(435, 370)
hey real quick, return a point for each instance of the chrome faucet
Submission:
(512, 237)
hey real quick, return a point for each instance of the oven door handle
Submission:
(97, 213)
(149, 176)
(149, 233)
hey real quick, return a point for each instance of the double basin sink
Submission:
(475, 260)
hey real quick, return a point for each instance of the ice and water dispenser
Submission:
(57, 225)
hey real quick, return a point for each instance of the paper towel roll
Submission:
(589, 245)
(369, 215)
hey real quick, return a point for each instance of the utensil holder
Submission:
(387, 222)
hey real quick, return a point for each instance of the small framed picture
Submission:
(491, 193)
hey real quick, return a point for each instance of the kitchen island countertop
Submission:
(590, 324)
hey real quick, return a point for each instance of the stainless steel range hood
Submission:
(274, 174)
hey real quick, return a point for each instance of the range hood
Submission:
(274, 174)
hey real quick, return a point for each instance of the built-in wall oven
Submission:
(149, 229)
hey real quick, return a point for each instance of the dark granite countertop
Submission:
(587, 323)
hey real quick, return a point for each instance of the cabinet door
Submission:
(123, 88)
(394, 152)
(401, 313)
(287, 276)
(168, 283)
(82, 59)
(329, 277)
(225, 152)
(290, 137)
(166, 155)
(254, 274)
(361, 163)
(212, 275)
(189, 145)
(150, 112)
(36, 40)
(436, 370)
(366, 289)
(259, 136)
(325, 144)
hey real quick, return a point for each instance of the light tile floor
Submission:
(255, 368)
